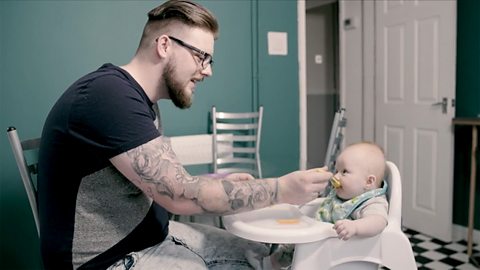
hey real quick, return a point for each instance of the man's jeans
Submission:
(192, 246)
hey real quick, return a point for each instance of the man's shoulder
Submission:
(109, 81)
(106, 73)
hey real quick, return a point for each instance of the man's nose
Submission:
(208, 71)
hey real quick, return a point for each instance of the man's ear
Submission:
(163, 44)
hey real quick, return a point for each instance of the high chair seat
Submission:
(391, 248)
(317, 246)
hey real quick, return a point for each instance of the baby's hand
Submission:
(345, 229)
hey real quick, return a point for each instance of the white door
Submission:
(415, 68)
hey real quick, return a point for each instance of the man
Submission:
(108, 178)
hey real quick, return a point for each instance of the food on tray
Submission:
(288, 220)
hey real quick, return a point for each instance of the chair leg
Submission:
(273, 248)
(220, 222)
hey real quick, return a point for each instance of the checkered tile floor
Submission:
(434, 254)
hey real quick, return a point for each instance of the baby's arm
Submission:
(368, 221)
(364, 227)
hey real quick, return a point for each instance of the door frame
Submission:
(302, 80)
(302, 7)
(360, 104)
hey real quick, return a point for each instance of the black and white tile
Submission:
(431, 253)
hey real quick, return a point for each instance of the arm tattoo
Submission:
(246, 194)
(153, 162)
(157, 164)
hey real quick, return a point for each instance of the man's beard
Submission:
(176, 90)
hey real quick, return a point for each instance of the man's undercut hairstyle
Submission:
(183, 11)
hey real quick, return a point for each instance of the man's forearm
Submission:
(161, 175)
(235, 196)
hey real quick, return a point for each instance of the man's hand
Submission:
(300, 187)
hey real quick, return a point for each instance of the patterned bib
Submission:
(334, 208)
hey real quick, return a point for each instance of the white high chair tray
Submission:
(282, 224)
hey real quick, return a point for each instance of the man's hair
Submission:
(183, 11)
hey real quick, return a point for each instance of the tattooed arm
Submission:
(154, 168)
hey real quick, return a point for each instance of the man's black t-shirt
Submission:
(90, 214)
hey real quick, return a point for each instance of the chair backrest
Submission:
(196, 149)
(193, 149)
(336, 137)
(394, 193)
(241, 130)
(26, 157)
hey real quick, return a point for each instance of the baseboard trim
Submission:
(460, 232)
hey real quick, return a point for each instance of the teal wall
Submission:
(468, 59)
(278, 88)
(468, 105)
(46, 45)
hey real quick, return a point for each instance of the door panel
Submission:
(415, 68)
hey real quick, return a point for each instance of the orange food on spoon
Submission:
(335, 182)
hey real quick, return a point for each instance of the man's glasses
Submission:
(206, 58)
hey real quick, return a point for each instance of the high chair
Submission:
(391, 248)
(316, 242)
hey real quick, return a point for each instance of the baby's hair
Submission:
(377, 158)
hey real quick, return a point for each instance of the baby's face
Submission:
(352, 173)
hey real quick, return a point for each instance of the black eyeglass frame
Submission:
(207, 59)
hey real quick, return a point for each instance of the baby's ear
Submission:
(371, 181)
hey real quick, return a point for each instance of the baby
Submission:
(356, 204)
